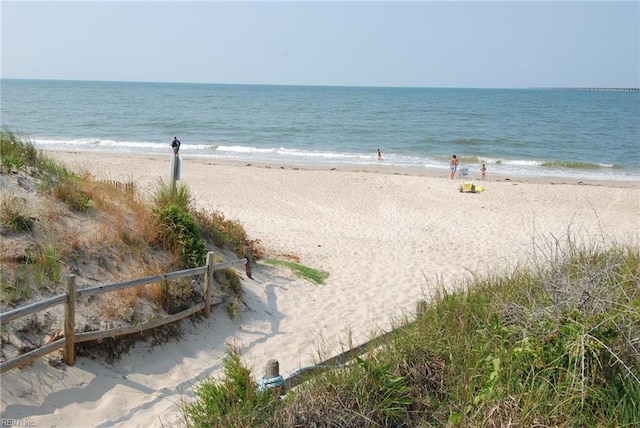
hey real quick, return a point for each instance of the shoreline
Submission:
(380, 168)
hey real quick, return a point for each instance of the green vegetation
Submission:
(125, 227)
(13, 212)
(233, 403)
(229, 283)
(225, 233)
(553, 345)
(16, 153)
(167, 195)
(313, 275)
(15, 288)
(182, 235)
(19, 154)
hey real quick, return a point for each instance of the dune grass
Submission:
(314, 275)
(556, 344)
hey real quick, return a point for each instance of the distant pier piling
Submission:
(598, 89)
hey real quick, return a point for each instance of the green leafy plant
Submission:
(233, 401)
(12, 162)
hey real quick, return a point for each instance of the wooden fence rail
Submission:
(69, 299)
(273, 379)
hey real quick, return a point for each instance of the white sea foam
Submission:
(515, 167)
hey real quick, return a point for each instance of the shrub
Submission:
(181, 234)
(235, 401)
(226, 233)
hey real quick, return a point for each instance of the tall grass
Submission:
(16, 152)
(552, 345)
(166, 195)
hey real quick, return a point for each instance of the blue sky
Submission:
(420, 43)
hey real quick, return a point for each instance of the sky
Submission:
(465, 44)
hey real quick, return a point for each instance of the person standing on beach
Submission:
(483, 171)
(379, 155)
(175, 144)
(453, 164)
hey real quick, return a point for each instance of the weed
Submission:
(314, 275)
(13, 213)
(225, 233)
(236, 401)
(51, 260)
(167, 195)
(16, 152)
(181, 234)
(74, 197)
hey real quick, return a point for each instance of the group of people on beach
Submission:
(453, 162)
(453, 165)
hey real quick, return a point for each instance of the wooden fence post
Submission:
(421, 307)
(272, 378)
(272, 369)
(70, 321)
(247, 255)
(208, 279)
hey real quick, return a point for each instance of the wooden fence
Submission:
(69, 298)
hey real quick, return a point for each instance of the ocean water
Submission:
(574, 134)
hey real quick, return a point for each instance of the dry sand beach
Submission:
(387, 238)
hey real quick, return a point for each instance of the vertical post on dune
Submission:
(272, 378)
(70, 321)
(174, 170)
(272, 369)
(247, 255)
(421, 307)
(208, 280)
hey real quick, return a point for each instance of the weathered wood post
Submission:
(247, 255)
(421, 307)
(272, 369)
(272, 378)
(208, 280)
(70, 321)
